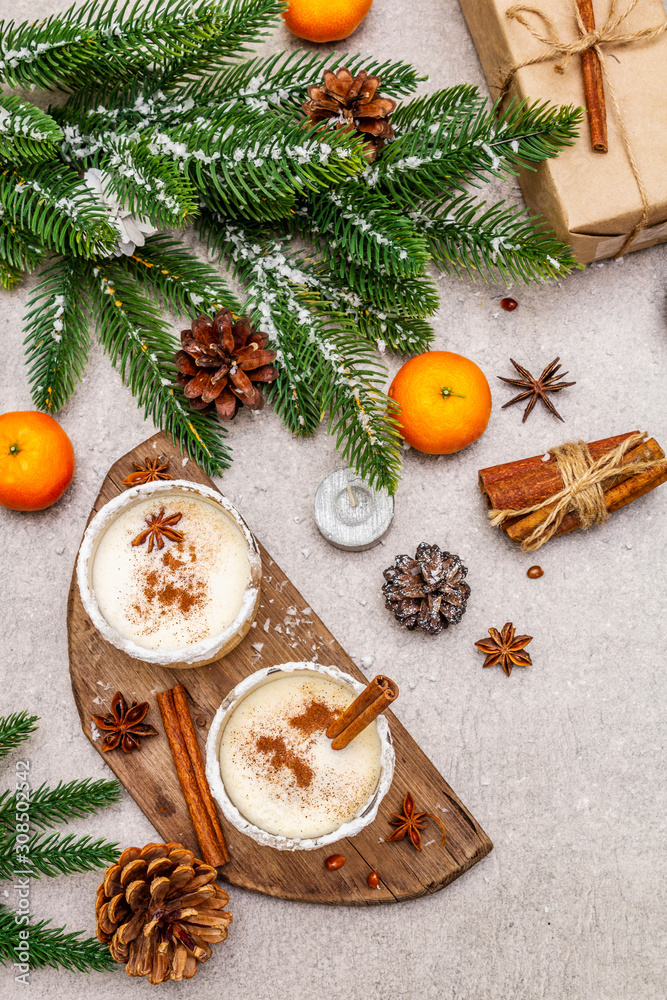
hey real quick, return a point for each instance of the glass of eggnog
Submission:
(169, 573)
(272, 768)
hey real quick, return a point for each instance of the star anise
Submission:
(124, 725)
(537, 388)
(411, 823)
(505, 648)
(149, 472)
(159, 528)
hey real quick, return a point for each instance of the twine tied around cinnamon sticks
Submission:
(589, 41)
(582, 492)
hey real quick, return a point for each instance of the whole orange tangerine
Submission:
(445, 402)
(36, 460)
(325, 20)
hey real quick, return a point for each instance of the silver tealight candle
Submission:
(351, 514)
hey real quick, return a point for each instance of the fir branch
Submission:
(26, 133)
(54, 854)
(405, 333)
(138, 341)
(14, 730)
(339, 374)
(70, 800)
(241, 25)
(58, 208)
(52, 947)
(186, 284)
(349, 222)
(433, 165)
(148, 185)
(255, 165)
(282, 79)
(10, 276)
(499, 243)
(426, 113)
(259, 264)
(57, 337)
(107, 40)
(414, 296)
(20, 251)
(18, 248)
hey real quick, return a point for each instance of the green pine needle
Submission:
(369, 231)
(501, 243)
(51, 947)
(26, 133)
(69, 800)
(282, 79)
(107, 40)
(52, 854)
(434, 165)
(14, 730)
(136, 337)
(148, 185)
(57, 207)
(57, 335)
(185, 283)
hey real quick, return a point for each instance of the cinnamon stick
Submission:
(209, 835)
(192, 746)
(619, 492)
(373, 700)
(514, 485)
(593, 85)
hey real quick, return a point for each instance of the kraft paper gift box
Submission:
(591, 200)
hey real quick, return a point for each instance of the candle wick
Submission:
(352, 495)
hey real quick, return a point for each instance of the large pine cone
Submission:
(353, 104)
(428, 591)
(159, 909)
(221, 360)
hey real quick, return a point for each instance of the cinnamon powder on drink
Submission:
(315, 717)
(282, 756)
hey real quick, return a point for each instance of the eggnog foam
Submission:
(180, 594)
(282, 774)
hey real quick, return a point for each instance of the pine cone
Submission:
(427, 592)
(351, 102)
(220, 361)
(159, 909)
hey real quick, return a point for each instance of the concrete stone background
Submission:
(560, 763)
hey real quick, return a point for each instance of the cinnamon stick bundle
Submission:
(191, 774)
(373, 700)
(531, 481)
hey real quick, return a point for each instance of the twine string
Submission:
(606, 37)
(582, 491)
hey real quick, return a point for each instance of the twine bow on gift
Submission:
(582, 492)
(597, 40)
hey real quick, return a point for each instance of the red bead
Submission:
(335, 861)
(509, 304)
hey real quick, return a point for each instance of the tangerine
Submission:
(325, 20)
(445, 402)
(36, 460)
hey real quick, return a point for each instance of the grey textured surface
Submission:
(561, 763)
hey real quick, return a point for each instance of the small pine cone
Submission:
(220, 362)
(160, 909)
(428, 591)
(353, 105)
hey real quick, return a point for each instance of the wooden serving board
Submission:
(98, 670)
